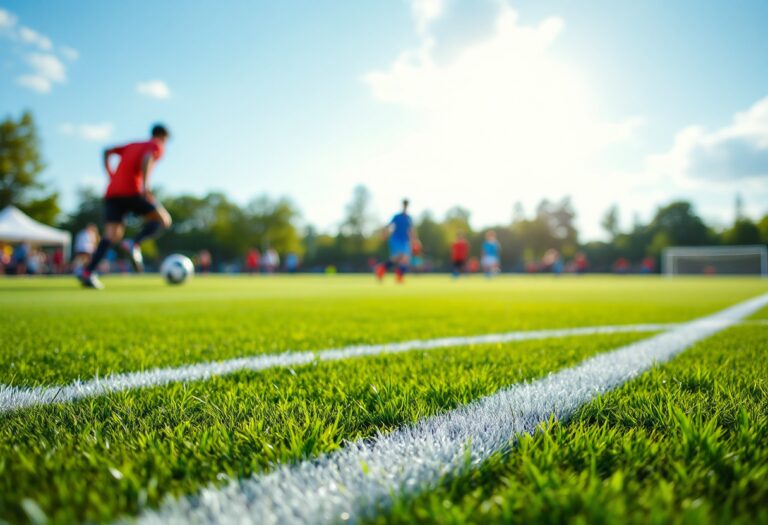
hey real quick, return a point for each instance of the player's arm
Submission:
(386, 231)
(146, 166)
(107, 155)
(412, 233)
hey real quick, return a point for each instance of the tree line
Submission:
(216, 223)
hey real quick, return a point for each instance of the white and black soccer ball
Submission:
(177, 268)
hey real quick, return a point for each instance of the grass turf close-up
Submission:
(681, 442)
(684, 443)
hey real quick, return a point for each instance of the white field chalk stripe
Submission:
(351, 483)
(14, 398)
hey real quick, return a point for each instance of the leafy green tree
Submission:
(434, 239)
(88, 210)
(359, 221)
(763, 227)
(610, 221)
(743, 231)
(21, 165)
(457, 220)
(271, 223)
(354, 244)
(681, 225)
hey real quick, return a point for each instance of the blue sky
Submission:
(475, 103)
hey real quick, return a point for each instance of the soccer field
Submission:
(323, 399)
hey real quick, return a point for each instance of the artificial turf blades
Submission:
(684, 443)
(54, 332)
(97, 459)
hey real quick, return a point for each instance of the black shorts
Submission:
(116, 208)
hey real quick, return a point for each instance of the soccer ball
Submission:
(177, 268)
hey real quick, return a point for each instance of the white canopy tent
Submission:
(16, 226)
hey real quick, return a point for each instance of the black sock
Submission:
(150, 230)
(98, 255)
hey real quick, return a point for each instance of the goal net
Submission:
(715, 260)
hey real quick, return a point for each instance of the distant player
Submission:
(86, 241)
(401, 236)
(417, 256)
(490, 260)
(459, 254)
(128, 192)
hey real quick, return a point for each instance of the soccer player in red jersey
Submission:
(128, 192)
(459, 254)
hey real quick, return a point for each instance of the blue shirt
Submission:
(491, 248)
(402, 226)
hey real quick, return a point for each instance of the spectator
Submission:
(648, 265)
(621, 266)
(86, 241)
(204, 261)
(291, 262)
(580, 263)
(271, 260)
(57, 261)
(21, 258)
(252, 260)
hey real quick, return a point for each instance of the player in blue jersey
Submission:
(491, 261)
(400, 237)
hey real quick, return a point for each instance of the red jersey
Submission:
(126, 180)
(460, 250)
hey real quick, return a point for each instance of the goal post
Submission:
(715, 260)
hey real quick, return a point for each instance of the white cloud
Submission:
(30, 36)
(47, 71)
(47, 68)
(35, 83)
(97, 132)
(154, 89)
(69, 53)
(502, 120)
(425, 12)
(7, 20)
(738, 150)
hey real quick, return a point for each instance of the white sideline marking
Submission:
(349, 484)
(14, 398)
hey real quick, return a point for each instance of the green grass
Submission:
(176, 439)
(684, 443)
(101, 458)
(54, 332)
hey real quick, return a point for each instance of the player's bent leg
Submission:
(381, 271)
(156, 221)
(402, 267)
(113, 233)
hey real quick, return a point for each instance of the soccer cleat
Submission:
(134, 255)
(381, 270)
(91, 281)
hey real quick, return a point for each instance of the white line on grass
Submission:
(365, 475)
(14, 398)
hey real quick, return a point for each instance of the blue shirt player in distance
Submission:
(491, 261)
(400, 236)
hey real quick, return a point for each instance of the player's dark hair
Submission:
(160, 132)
